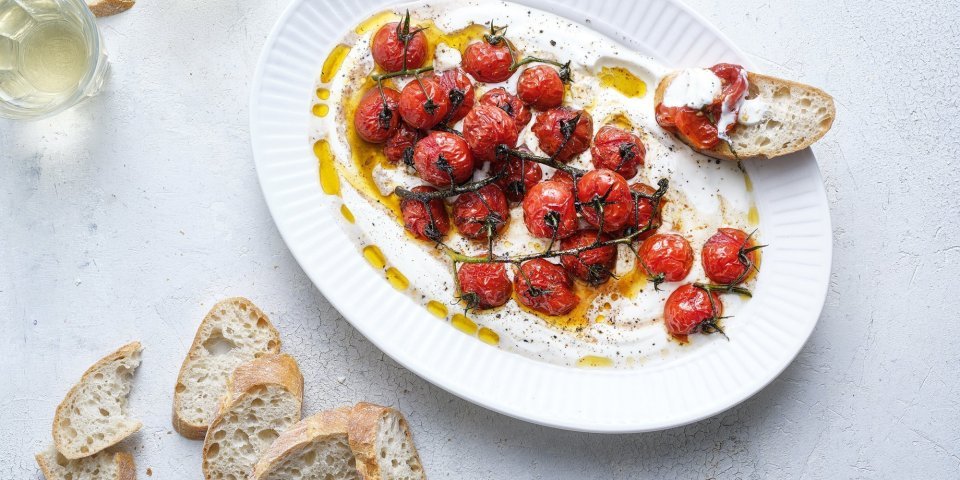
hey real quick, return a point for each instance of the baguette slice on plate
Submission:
(104, 465)
(93, 415)
(233, 332)
(316, 448)
(798, 116)
(382, 443)
(264, 398)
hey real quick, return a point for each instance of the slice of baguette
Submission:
(316, 448)
(105, 465)
(264, 398)
(798, 116)
(233, 332)
(103, 8)
(93, 415)
(381, 441)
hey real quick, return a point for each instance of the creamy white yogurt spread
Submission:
(625, 325)
(692, 87)
(445, 57)
(753, 111)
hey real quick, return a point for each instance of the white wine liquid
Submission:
(44, 52)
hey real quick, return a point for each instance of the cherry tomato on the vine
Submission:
(459, 90)
(443, 159)
(721, 256)
(666, 254)
(488, 63)
(373, 122)
(520, 176)
(689, 309)
(604, 194)
(618, 150)
(484, 285)
(400, 145)
(424, 103)
(425, 220)
(641, 211)
(594, 265)
(549, 210)
(487, 127)
(387, 48)
(562, 134)
(545, 287)
(473, 212)
(504, 100)
(540, 87)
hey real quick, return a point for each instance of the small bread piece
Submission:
(381, 441)
(316, 448)
(798, 116)
(104, 465)
(264, 398)
(233, 332)
(93, 415)
(103, 8)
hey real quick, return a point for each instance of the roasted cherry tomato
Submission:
(549, 211)
(399, 147)
(666, 254)
(488, 63)
(641, 210)
(563, 177)
(484, 285)
(618, 150)
(424, 103)
(426, 223)
(504, 100)
(734, 81)
(559, 127)
(604, 193)
(374, 120)
(473, 212)
(387, 48)
(697, 127)
(545, 287)
(459, 90)
(487, 127)
(521, 175)
(689, 309)
(595, 265)
(721, 256)
(540, 87)
(443, 159)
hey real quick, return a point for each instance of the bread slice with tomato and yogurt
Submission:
(776, 117)
(235, 331)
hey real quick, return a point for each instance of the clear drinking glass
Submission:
(51, 56)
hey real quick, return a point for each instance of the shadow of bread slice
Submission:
(315, 448)
(264, 398)
(105, 465)
(382, 443)
(798, 115)
(93, 415)
(233, 332)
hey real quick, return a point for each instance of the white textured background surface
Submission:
(129, 216)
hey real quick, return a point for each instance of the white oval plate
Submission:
(770, 329)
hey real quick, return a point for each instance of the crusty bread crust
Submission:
(309, 430)
(103, 8)
(125, 351)
(363, 428)
(126, 468)
(196, 431)
(723, 151)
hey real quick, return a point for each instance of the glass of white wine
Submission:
(51, 57)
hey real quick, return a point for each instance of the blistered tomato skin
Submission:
(551, 127)
(400, 146)
(595, 265)
(688, 308)
(459, 90)
(721, 256)
(504, 100)
(696, 125)
(487, 127)
(519, 176)
(374, 123)
(642, 209)
(549, 211)
(618, 150)
(424, 103)
(545, 287)
(604, 193)
(540, 87)
(734, 81)
(474, 211)
(443, 159)
(484, 285)
(425, 221)
(388, 53)
(488, 63)
(666, 254)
